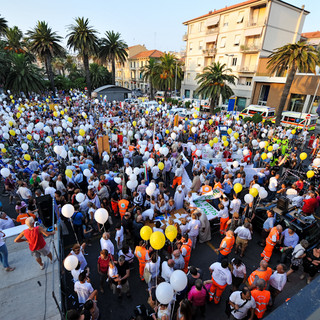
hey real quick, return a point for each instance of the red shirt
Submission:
(310, 205)
(103, 264)
(226, 154)
(218, 171)
(299, 184)
(35, 238)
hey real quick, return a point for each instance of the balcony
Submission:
(212, 31)
(246, 69)
(185, 37)
(209, 52)
(250, 48)
(256, 23)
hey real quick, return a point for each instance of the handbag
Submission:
(146, 275)
(296, 261)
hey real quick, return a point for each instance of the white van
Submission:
(298, 119)
(267, 113)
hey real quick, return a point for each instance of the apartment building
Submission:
(312, 38)
(239, 36)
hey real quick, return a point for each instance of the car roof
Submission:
(298, 115)
(260, 108)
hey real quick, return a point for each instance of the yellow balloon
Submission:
(62, 112)
(85, 116)
(68, 173)
(10, 123)
(145, 233)
(310, 174)
(70, 119)
(215, 140)
(171, 232)
(161, 165)
(47, 100)
(264, 156)
(229, 131)
(82, 132)
(157, 240)
(210, 121)
(254, 192)
(195, 115)
(18, 115)
(29, 136)
(224, 138)
(147, 111)
(134, 123)
(3, 150)
(211, 143)
(167, 131)
(293, 131)
(65, 110)
(266, 143)
(27, 157)
(160, 102)
(11, 97)
(12, 132)
(12, 101)
(186, 119)
(158, 109)
(236, 135)
(237, 187)
(55, 113)
(237, 118)
(270, 148)
(225, 143)
(303, 156)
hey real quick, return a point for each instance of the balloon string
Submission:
(74, 231)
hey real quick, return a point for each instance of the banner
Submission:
(207, 209)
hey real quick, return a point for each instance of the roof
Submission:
(235, 6)
(310, 35)
(148, 54)
(258, 107)
(298, 114)
(111, 86)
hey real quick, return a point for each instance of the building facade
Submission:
(239, 36)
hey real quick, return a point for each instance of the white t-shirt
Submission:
(119, 235)
(273, 183)
(166, 271)
(81, 258)
(240, 271)
(193, 227)
(221, 275)
(278, 280)
(235, 205)
(108, 245)
(154, 268)
(83, 291)
(243, 311)
(223, 213)
(6, 224)
(243, 233)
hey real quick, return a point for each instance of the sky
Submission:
(156, 24)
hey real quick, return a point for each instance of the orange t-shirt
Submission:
(23, 216)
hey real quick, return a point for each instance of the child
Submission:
(119, 236)
(114, 278)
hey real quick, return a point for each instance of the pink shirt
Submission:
(198, 298)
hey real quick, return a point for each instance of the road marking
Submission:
(211, 246)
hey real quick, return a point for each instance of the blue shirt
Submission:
(227, 188)
(77, 218)
(289, 240)
(268, 224)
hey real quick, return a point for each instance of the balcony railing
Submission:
(185, 37)
(255, 23)
(250, 48)
(246, 69)
(209, 52)
(212, 31)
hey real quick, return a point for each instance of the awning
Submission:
(253, 32)
(213, 21)
(212, 38)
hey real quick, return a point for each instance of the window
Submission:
(141, 64)
(187, 93)
(131, 64)
(296, 102)
(248, 81)
(200, 45)
(271, 114)
(200, 27)
(188, 76)
(223, 42)
(234, 61)
(225, 21)
(240, 17)
(237, 40)
(190, 46)
(199, 62)
(140, 75)
(264, 93)
(190, 28)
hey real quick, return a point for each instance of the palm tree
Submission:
(59, 65)
(3, 25)
(83, 38)
(13, 40)
(45, 44)
(213, 83)
(23, 75)
(166, 71)
(148, 74)
(99, 75)
(291, 57)
(113, 48)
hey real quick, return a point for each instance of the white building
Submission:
(239, 36)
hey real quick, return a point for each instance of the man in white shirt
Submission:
(277, 281)
(235, 204)
(167, 269)
(24, 192)
(241, 303)
(243, 236)
(155, 170)
(273, 184)
(83, 288)
(220, 278)
(106, 243)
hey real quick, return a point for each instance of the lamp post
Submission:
(175, 82)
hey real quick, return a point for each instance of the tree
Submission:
(165, 75)
(99, 75)
(291, 57)
(3, 25)
(59, 65)
(45, 44)
(113, 48)
(83, 38)
(23, 75)
(213, 83)
(148, 74)
(13, 40)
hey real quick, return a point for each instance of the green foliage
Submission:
(247, 119)
(187, 104)
(256, 118)
(100, 75)
(149, 71)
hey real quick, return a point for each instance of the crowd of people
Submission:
(153, 165)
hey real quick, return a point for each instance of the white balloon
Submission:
(48, 140)
(257, 186)
(133, 177)
(151, 162)
(275, 146)
(165, 151)
(235, 164)
(25, 146)
(67, 210)
(87, 173)
(130, 184)
(136, 171)
(36, 137)
(80, 138)
(57, 149)
(71, 262)
(129, 171)
(149, 191)
(178, 280)
(101, 215)
(193, 148)
(152, 185)
(5, 172)
(1, 145)
(6, 135)
(316, 162)
(269, 155)
(130, 133)
(245, 152)
(194, 129)
(96, 183)
(117, 180)
(164, 293)
(263, 135)
(106, 158)
(157, 146)
(80, 197)
(198, 153)
(80, 149)
(248, 198)
(263, 193)
(64, 153)
(262, 144)
(255, 143)
(173, 135)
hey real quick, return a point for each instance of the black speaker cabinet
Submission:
(45, 210)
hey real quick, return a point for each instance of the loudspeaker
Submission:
(45, 210)
(283, 204)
